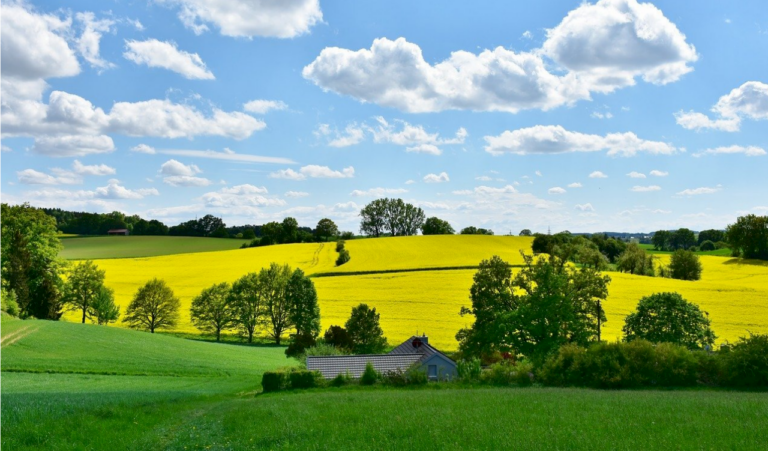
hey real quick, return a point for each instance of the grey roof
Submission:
(425, 349)
(332, 366)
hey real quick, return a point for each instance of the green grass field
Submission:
(725, 252)
(98, 247)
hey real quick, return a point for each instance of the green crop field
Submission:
(98, 247)
(725, 252)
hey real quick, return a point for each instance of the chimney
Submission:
(424, 339)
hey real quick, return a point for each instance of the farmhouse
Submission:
(117, 232)
(414, 352)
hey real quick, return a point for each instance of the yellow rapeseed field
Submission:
(735, 294)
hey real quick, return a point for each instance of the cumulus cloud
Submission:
(584, 207)
(749, 100)
(600, 47)
(114, 190)
(264, 106)
(597, 175)
(240, 18)
(33, 177)
(176, 173)
(636, 175)
(556, 190)
(575, 185)
(352, 134)
(645, 189)
(554, 139)
(699, 191)
(72, 145)
(313, 171)
(378, 192)
(657, 173)
(143, 148)
(90, 39)
(750, 151)
(95, 169)
(437, 178)
(226, 155)
(296, 194)
(166, 55)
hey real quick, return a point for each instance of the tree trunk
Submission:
(250, 336)
(84, 310)
(218, 334)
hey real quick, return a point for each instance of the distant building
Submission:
(117, 232)
(414, 352)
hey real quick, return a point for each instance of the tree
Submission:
(635, 260)
(707, 246)
(373, 214)
(209, 224)
(393, 215)
(303, 310)
(685, 265)
(326, 229)
(103, 308)
(365, 331)
(247, 300)
(221, 232)
(273, 282)
(289, 229)
(153, 307)
(547, 304)
(249, 234)
(9, 304)
(412, 220)
(83, 286)
(661, 240)
(211, 310)
(668, 318)
(29, 259)
(338, 337)
(712, 235)
(271, 233)
(472, 230)
(682, 239)
(749, 236)
(436, 226)
(526, 232)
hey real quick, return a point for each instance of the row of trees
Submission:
(391, 216)
(83, 223)
(665, 240)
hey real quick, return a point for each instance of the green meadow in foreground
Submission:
(72, 386)
(97, 247)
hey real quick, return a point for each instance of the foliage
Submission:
(339, 338)
(103, 308)
(299, 344)
(712, 235)
(212, 311)
(506, 372)
(305, 379)
(290, 379)
(373, 218)
(370, 376)
(153, 307)
(204, 226)
(668, 318)
(365, 331)
(545, 305)
(273, 282)
(340, 245)
(272, 381)
(9, 304)
(635, 260)
(340, 380)
(707, 246)
(749, 236)
(544, 244)
(437, 226)
(303, 312)
(391, 215)
(746, 362)
(468, 370)
(343, 257)
(526, 232)
(666, 240)
(29, 259)
(84, 284)
(325, 229)
(472, 230)
(247, 301)
(685, 265)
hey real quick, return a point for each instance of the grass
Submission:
(100, 247)
(724, 252)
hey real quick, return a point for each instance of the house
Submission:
(117, 232)
(414, 352)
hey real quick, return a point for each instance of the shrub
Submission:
(746, 363)
(507, 373)
(564, 367)
(469, 370)
(273, 381)
(299, 344)
(668, 318)
(339, 245)
(685, 265)
(707, 246)
(708, 367)
(347, 235)
(674, 366)
(339, 337)
(370, 375)
(340, 380)
(9, 304)
(400, 378)
(305, 379)
(343, 257)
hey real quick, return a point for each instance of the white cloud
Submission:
(410, 182)
(575, 185)
(377, 192)
(239, 18)
(425, 148)
(226, 155)
(597, 175)
(527, 34)
(584, 207)
(603, 47)
(749, 100)
(599, 115)
(556, 190)
(538, 173)
(657, 173)
(264, 106)
(89, 41)
(750, 151)
(33, 177)
(114, 190)
(484, 178)
(353, 134)
(240, 196)
(645, 189)
(143, 148)
(72, 145)
(296, 194)
(699, 191)
(96, 169)
(186, 180)
(636, 175)
(6, 148)
(554, 139)
(437, 178)
(174, 167)
(166, 55)
(313, 171)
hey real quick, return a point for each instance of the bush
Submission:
(675, 366)
(340, 380)
(9, 304)
(347, 235)
(339, 245)
(469, 370)
(400, 378)
(507, 373)
(299, 345)
(668, 318)
(370, 375)
(685, 265)
(564, 369)
(745, 364)
(339, 337)
(343, 257)
(273, 381)
(707, 246)
(305, 379)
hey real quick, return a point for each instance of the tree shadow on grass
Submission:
(741, 261)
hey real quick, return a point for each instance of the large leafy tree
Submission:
(712, 235)
(103, 309)
(211, 310)
(635, 260)
(247, 299)
(273, 282)
(547, 304)
(412, 220)
(326, 229)
(749, 236)
(83, 287)
(289, 230)
(365, 331)
(685, 265)
(682, 239)
(29, 258)
(668, 318)
(372, 218)
(303, 309)
(661, 240)
(437, 226)
(154, 306)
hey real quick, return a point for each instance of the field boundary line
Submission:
(391, 271)
(111, 373)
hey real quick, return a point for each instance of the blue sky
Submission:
(588, 116)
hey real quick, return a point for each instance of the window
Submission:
(432, 371)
